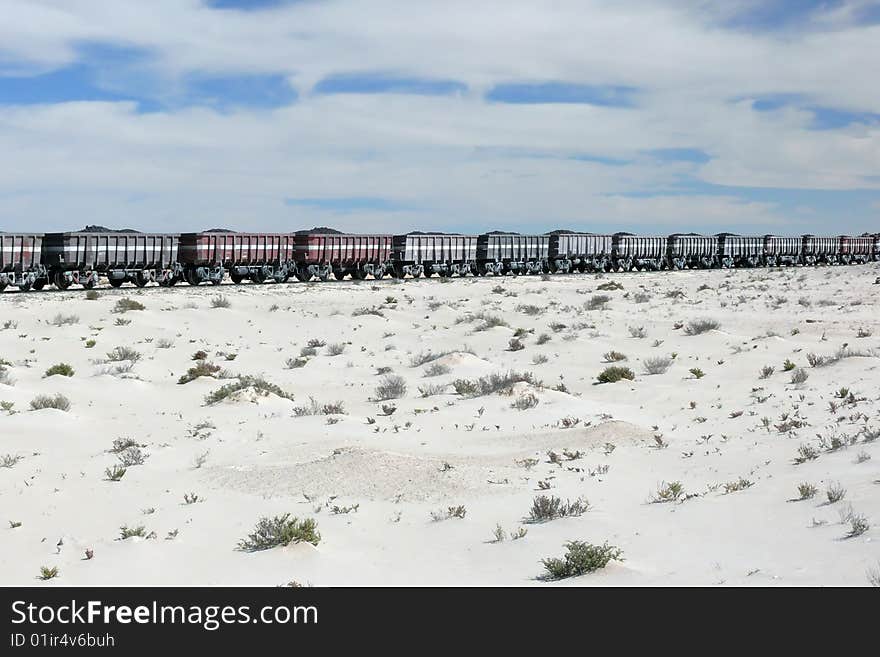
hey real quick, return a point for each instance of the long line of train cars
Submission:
(34, 260)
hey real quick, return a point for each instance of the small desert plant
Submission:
(90, 343)
(835, 493)
(698, 326)
(788, 366)
(131, 456)
(114, 473)
(806, 453)
(799, 376)
(501, 382)
(65, 320)
(450, 512)
(529, 309)
(62, 369)
(280, 530)
(806, 491)
(202, 368)
(581, 558)
(638, 332)
(164, 343)
(9, 460)
(392, 386)
(220, 301)
(47, 573)
(429, 390)
(125, 304)
(436, 369)
(670, 492)
(360, 312)
(295, 363)
(515, 344)
(525, 401)
(546, 508)
(858, 524)
(123, 353)
(739, 484)
(57, 401)
(543, 339)
(259, 384)
(126, 532)
(610, 286)
(767, 371)
(697, 372)
(614, 374)
(335, 349)
(92, 295)
(657, 365)
(539, 359)
(597, 302)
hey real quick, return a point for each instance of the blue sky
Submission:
(591, 115)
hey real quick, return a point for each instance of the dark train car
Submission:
(782, 250)
(21, 261)
(693, 251)
(638, 251)
(419, 254)
(580, 251)
(259, 257)
(820, 250)
(740, 250)
(500, 253)
(320, 254)
(857, 249)
(79, 257)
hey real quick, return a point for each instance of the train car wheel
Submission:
(60, 281)
(88, 284)
(2, 286)
(141, 279)
(116, 282)
(235, 278)
(257, 277)
(39, 283)
(24, 287)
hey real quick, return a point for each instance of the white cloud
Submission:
(449, 160)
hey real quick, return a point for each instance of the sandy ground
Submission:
(254, 455)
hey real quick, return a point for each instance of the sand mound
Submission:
(355, 473)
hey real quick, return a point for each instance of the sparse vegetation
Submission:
(392, 386)
(613, 356)
(56, 401)
(259, 385)
(125, 305)
(699, 326)
(279, 531)
(657, 365)
(220, 301)
(546, 508)
(61, 369)
(502, 382)
(806, 491)
(581, 558)
(614, 374)
(671, 492)
(202, 368)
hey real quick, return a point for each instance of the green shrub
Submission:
(581, 558)
(614, 374)
(202, 368)
(259, 384)
(126, 304)
(61, 368)
(280, 530)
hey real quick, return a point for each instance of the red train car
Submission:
(256, 256)
(857, 249)
(320, 254)
(21, 261)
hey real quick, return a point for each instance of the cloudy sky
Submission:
(387, 115)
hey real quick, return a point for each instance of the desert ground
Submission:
(749, 456)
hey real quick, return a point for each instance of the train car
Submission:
(857, 249)
(740, 250)
(80, 257)
(580, 251)
(21, 261)
(504, 253)
(320, 254)
(875, 249)
(691, 251)
(779, 250)
(258, 257)
(638, 252)
(424, 254)
(820, 250)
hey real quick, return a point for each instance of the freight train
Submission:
(34, 260)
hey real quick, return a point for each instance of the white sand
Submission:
(263, 460)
